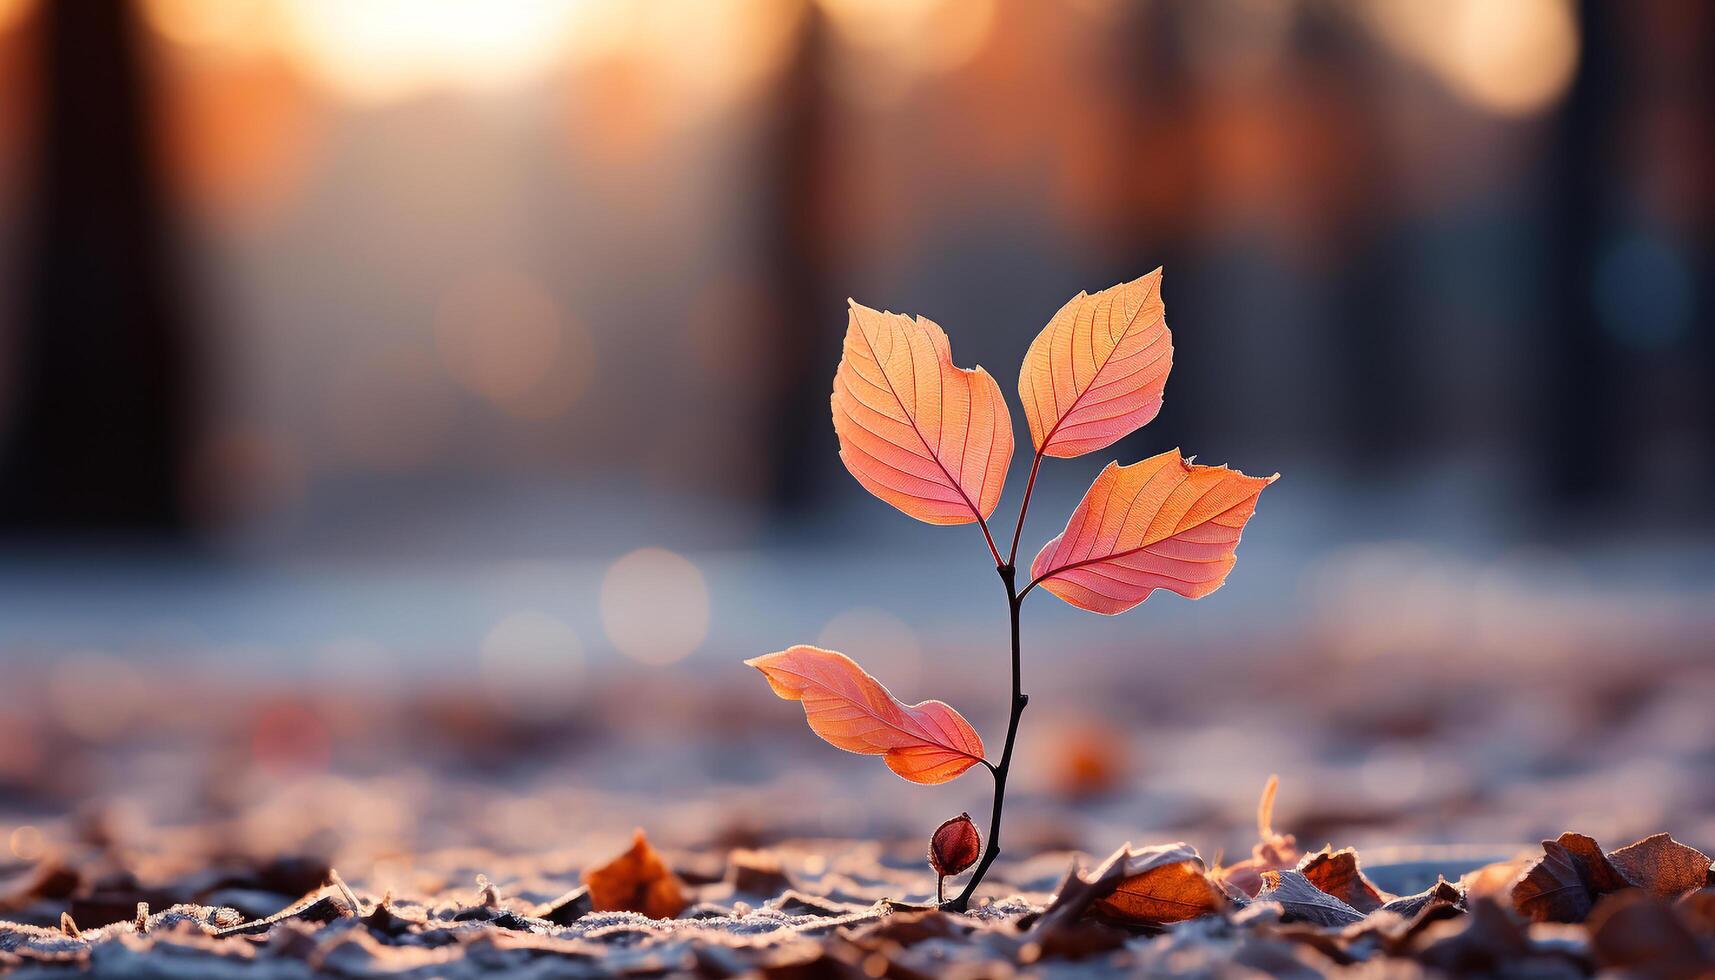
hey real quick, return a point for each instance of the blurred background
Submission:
(419, 407)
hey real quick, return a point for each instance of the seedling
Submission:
(935, 441)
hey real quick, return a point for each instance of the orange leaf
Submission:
(1163, 523)
(1098, 371)
(636, 881)
(1171, 887)
(1153, 886)
(927, 742)
(931, 439)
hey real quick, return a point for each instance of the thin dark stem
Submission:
(990, 539)
(1008, 575)
(1024, 508)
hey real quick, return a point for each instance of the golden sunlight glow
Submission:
(1512, 59)
(892, 42)
(379, 50)
(655, 606)
(226, 27)
(383, 50)
(13, 11)
(933, 35)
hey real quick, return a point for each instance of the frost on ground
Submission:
(1569, 910)
(185, 825)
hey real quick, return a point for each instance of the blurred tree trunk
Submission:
(794, 179)
(106, 368)
(1580, 428)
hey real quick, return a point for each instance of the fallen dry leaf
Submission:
(1410, 906)
(927, 742)
(1163, 523)
(756, 872)
(1171, 888)
(1599, 873)
(1552, 890)
(1098, 370)
(1302, 901)
(1153, 886)
(929, 438)
(1565, 882)
(1338, 874)
(1661, 866)
(637, 881)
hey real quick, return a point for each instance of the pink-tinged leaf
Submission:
(1163, 523)
(1098, 371)
(927, 742)
(929, 438)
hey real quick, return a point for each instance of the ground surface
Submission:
(1433, 716)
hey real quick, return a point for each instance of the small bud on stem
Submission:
(953, 847)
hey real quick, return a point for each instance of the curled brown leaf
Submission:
(1339, 874)
(1662, 866)
(637, 881)
(1302, 901)
(1554, 889)
(1153, 886)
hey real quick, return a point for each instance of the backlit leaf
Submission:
(931, 439)
(1340, 874)
(1098, 370)
(1152, 886)
(1162, 884)
(1163, 523)
(1662, 866)
(927, 742)
(1555, 888)
(637, 881)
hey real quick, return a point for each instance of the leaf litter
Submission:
(1646, 909)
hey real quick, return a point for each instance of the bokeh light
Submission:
(27, 843)
(1513, 59)
(501, 335)
(890, 44)
(385, 50)
(226, 27)
(13, 12)
(655, 606)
